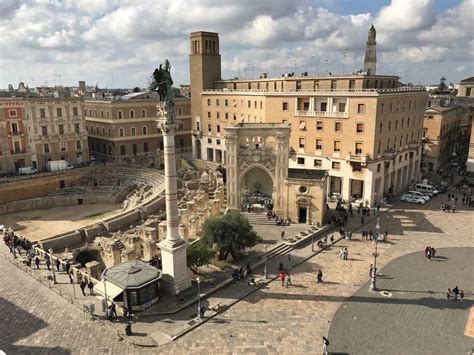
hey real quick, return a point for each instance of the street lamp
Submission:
(198, 280)
(373, 286)
(50, 250)
(265, 268)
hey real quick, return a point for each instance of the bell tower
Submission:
(370, 61)
(204, 69)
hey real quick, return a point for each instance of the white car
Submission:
(419, 194)
(413, 199)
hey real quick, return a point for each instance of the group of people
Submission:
(455, 294)
(323, 242)
(343, 253)
(16, 243)
(430, 252)
(241, 273)
(279, 221)
(285, 278)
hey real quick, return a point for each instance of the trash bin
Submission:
(128, 328)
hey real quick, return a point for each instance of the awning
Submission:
(112, 290)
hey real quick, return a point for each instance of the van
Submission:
(27, 171)
(425, 188)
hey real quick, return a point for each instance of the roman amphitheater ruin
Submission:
(108, 213)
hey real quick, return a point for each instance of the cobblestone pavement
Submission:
(293, 320)
(416, 317)
(271, 320)
(34, 320)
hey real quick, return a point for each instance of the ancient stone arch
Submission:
(247, 148)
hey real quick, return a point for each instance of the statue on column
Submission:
(162, 82)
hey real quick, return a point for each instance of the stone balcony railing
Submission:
(321, 113)
(361, 158)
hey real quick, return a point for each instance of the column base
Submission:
(175, 270)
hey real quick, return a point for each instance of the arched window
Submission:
(95, 113)
(144, 130)
(143, 113)
(120, 115)
(101, 114)
(121, 132)
(96, 129)
(133, 131)
(103, 131)
(132, 114)
(109, 132)
(180, 111)
(107, 114)
(90, 113)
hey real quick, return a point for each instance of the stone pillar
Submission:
(231, 147)
(281, 174)
(173, 248)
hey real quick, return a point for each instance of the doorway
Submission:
(302, 215)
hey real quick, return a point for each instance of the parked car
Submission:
(426, 197)
(441, 189)
(413, 199)
(27, 171)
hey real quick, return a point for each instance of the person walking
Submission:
(202, 311)
(282, 235)
(48, 264)
(83, 285)
(371, 270)
(58, 263)
(37, 262)
(456, 292)
(91, 287)
(282, 277)
(346, 252)
(319, 277)
(461, 295)
(67, 267)
(325, 345)
(288, 280)
(70, 274)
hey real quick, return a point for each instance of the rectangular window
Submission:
(209, 128)
(218, 128)
(319, 144)
(78, 145)
(284, 106)
(324, 106)
(337, 126)
(15, 128)
(208, 102)
(300, 161)
(75, 111)
(209, 141)
(319, 125)
(333, 84)
(76, 127)
(218, 141)
(360, 128)
(302, 125)
(389, 126)
(396, 124)
(380, 128)
(42, 113)
(358, 148)
(208, 114)
(218, 115)
(379, 167)
(122, 150)
(226, 115)
(234, 116)
(12, 113)
(145, 147)
(342, 107)
(61, 129)
(46, 147)
(318, 163)
(301, 142)
(249, 104)
(336, 165)
(361, 108)
(59, 112)
(337, 146)
(218, 102)
(226, 102)
(44, 130)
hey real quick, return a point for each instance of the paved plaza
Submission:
(273, 319)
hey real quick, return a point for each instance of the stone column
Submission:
(173, 248)
(281, 174)
(231, 147)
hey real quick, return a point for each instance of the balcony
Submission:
(321, 114)
(196, 133)
(16, 133)
(413, 146)
(359, 158)
(18, 151)
(390, 154)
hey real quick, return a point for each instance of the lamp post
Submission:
(265, 268)
(50, 250)
(198, 280)
(373, 280)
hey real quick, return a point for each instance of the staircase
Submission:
(259, 218)
(280, 250)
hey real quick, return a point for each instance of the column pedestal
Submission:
(175, 277)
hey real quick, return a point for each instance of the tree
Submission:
(230, 234)
(199, 255)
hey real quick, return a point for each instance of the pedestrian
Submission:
(282, 235)
(289, 257)
(48, 264)
(456, 292)
(319, 277)
(78, 276)
(288, 280)
(83, 285)
(332, 239)
(67, 267)
(202, 311)
(346, 253)
(433, 252)
(37, 262)
(91, 287)
(350, 235)
(70, 274)
(325, 345)
(125, 313)
(461, 295)
(282, 277)
(58, 263)
(448, 294)
(371, 270)
(341, 253)
(350, 210)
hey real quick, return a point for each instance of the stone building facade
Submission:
(15, 152)
(125, 129)
(365, 130)
(466, 87)
(56, 130)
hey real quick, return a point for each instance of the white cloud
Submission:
(124, 39)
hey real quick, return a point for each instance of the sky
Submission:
(118, 43)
